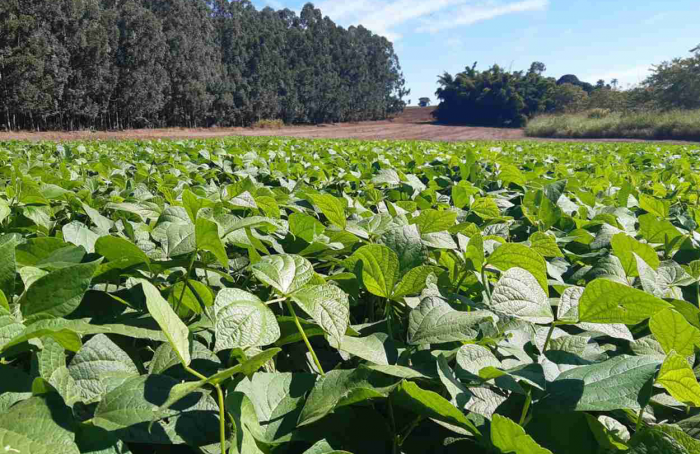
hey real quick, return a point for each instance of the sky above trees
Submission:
(594, 39)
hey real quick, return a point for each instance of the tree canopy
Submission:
(71, 64)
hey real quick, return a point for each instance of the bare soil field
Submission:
(415, 123)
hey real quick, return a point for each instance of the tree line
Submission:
(496, 97)
(75, 64)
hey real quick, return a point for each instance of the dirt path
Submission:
(414, 123)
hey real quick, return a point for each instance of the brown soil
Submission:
(415, 123)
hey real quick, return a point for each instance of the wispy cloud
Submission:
(470, 14)
(385, 16)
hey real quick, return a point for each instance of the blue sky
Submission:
(594, 39)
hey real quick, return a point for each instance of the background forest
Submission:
(75, 64)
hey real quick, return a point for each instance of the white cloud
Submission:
(470, 14)
(625, 76)
(384, 16)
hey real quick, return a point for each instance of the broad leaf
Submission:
(58, 293)
(435, 321)
(519, 295)
(512, 255)
(284, 272)
(38, 425)
(509, 437)
(623, 382)
(173, 328)
(606, 301)
(243, 321)
(679, 380)
(328, 305)
(674, 333)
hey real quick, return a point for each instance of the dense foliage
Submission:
(266, 295)
(494, 97)
(71, 64)
(675, 84)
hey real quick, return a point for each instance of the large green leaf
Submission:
(328, 305)
(513, 255)
(331, 207)
(243, 321)
(411, 397)
(38, 425)
(121, 251)
(679, 380)
(657, 231)
(305, 227)
(625, 248)
(58, 293)
(434, 321)
(380, 269)
(133, 412)
(674, 333)
(342, 387)
(430, 221)
(414, 281)
(8, 266)
(98, 365)
(173, 328)
(79, 234)
(284, 272)
(606, 301)
(519, 295)
(623, 382)
(509, 437)
(207, 239)
(278, 400)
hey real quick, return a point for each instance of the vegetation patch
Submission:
(293, 296)
(603, 124)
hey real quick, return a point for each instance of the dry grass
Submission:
(268, 124)
(676, 125)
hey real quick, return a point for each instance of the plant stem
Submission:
(186, 278)
(389, 319)
(485, 283)
(222, 415)
(395, 441)
(222, 419)
(526, 407)
(303, 336)
(464, 276)
(276, 300)
(549, 337)
(409, 429)
(195, 373)
(639, 420)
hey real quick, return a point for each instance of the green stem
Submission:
(185, 279)
(639, 420)
(395, 442)
(222, 415)
(195, 373)
(222, 420)
(526, 407)
(461, 280)
(389, 319)
(549, 337)
(485, 283)
(303, 336)
(409, 429)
